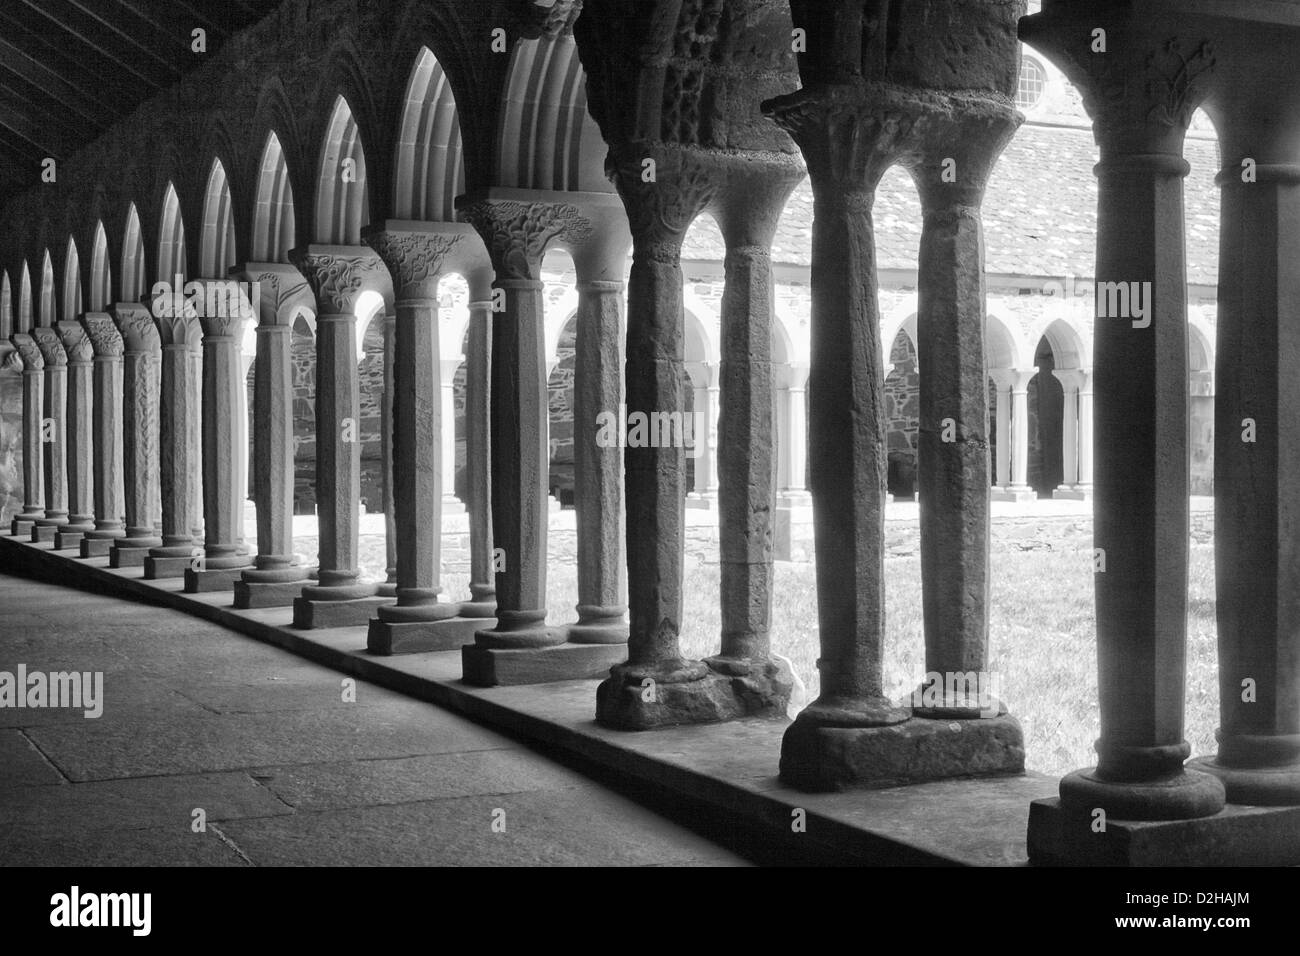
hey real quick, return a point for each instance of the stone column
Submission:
(516, 228)
(338, 275)
(1020, 379)
(107, 439)
(81, 453)
(140, 463)
(224, 559)
(54, 434)
(1071, 382)
(598, 391)
(1256, 431)
(33, 406)
(1085, 435)
(1140, 95)
(388, 588)
(478, 452)
(1002, 381)
(657, 685)
(748, 212)
(704, 384)
(794, 515)
(962, 138)
(416, 255)
(180, 435)
(275, 579)
(447, 368)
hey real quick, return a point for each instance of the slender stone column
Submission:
(961, 144)
(33, 406)
(140, 463)
(81, 414)
(338, 275)
(224, 559)
(748, 213)
(1140, 95)
(416, 255)
(387, 401)
(107, 439)
(275, 579)
(478, 450)
(1020, 379)
(1086, 440)
(597, 397)
(659, 213)
(794, 515)
(180, 435)
(447, 375)
(1002, 381)
(54, 434)
(1071, 382)
(704, 387)
(1257, 436)
(516, 228)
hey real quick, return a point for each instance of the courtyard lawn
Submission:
(1043, 652)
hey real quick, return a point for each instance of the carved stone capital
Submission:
(76, 343)
(517, 233)
(549, 18)
(957, 142)
(136, 325)
(183, 330)
(47, 340)
(12, 362)
(663, 189)
(339, 278)
(277, 286)
(104, 336)
(415, 259)
(1141, 92)
(28, 353)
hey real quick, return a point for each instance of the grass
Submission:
(1043, 647)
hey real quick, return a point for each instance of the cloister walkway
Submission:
(199, 718)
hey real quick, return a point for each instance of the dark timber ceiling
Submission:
(70, 69)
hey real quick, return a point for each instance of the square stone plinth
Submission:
(492, 666)
(44, 533)
(127, 557)
(22, 527)
(65, 540)
(310, 614)
(1236, 836)
(159, 569)
(1013, 494)
(819, 758)
(95, 547)
(414, 637)
(762, 692)
(216, 579)
(267, 593)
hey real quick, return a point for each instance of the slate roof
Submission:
(1040, 212)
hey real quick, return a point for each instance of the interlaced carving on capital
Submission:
(179, 330)
(275, 293)
(30, 355)
(338, 280)
(517, 233)
(414, 259)
(850, 134)
(104, 336)
(47, 340)
(12, 362)
(660, 211)
(136, 324)
(77, 344)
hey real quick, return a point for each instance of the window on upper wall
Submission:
(1033, 78)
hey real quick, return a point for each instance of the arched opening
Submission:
(47, 315)
(429, 168)
(172, 266)
(1200, 410)
(133, 277)
(1046, 415)
(217, 254)
(101, 279)
(903, 413)
(71, 282)
(370, 378)
(273, 215)
(303, 351)
(342, 202)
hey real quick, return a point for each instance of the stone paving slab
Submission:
(160, 846)
(23, 764)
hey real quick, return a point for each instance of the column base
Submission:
(97, 543)
(388, 637)
(131, 552)
(505, 666)
(21, 527)
(44, 533)
(212, 579)
(633, 698)
(818, 756)
(1181, 795)
(1013, 494)
(156, 567)
(1236, 836)
(1077, 493)
(69, 537)
(336, 606)
(481, 604)
(1255, 786)
(269, 587)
